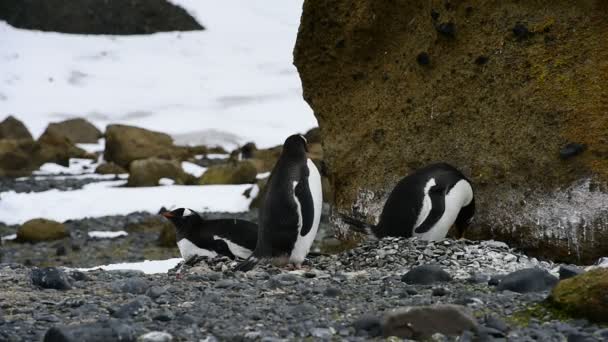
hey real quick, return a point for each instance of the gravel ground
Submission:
(333, 297)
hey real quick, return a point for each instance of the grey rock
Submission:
(332, 292)
(569, 271)
(108, 331)
(494, 322)
(439, 291)
(426, 275)
(133, 308)
(51, 278)
(164, 316)
(321, 333)
(131, 285)
(528, 280)
(156, 336)
(478, 278)
(419, 322)
(155, 291)
(370, 324)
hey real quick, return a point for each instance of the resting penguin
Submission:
(290, 209)
(424, 204)
(210, 238)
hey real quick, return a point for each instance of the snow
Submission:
(262, 175)
(147, 266)
(77, 166)
(193, 169)
(111, 198)
(166, 181)
(92, 148)
(9, 237)
(227, 85)
(99, 234)
(217, 156)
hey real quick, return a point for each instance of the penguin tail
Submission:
(248, 264)
(358, 225)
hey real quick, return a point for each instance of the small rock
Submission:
(107, 331)
(332, 292)
(156, 336)
(434, 15)
(133, 308)
(440, 291)
(571, 150)
(481, 60)
(420, 322)
(155, 291)
(528, 280)
(447, 29)
(520, 31)
(478, 278)
(131, 285)
(426, 275)
(321, 333)
(51, 278)
(370, 324)
(164, 316)
(423, 58)
(493, 321)
(569, 271)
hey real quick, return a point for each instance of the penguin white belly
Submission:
(237, 250)
(188, 249)
(459, 196)
(303, 243)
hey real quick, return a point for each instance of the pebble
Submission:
(422, 322)
(426, 275)
(528, 280)
(133, 308)
(51, 278)
(156, 336)
(371, 324)
(108, 331)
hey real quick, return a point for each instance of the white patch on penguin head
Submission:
(187, 212)
(304, 138)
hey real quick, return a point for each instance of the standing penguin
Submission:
(210, 238)
(424, 204)
(291, 208)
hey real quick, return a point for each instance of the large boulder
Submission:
(147, 172)
(16, 157)
(56, 148)
(585, 295)
(509, 92)
(241, 172)
(11, 128)
(98, 17)
(76, 130)
(37, 230)
(125, 144)
(110, 169)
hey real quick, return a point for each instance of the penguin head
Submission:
(183, 218)
(295, 144)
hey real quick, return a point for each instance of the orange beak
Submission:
(167, 214)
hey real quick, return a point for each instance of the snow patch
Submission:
(99, 234)
(263, 175)
(166, 181)
(193, 169)
(9, 237)
(93, 148)
(146, 266)
(77, 166)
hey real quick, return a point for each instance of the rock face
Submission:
(16, 157)
(585, 295)
(76, 130)
(505, 86)
(147, 172)
(127, 143)
(41, 230)
(11, 128)
(241, 172)
(98, 17)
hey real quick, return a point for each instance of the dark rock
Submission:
(580, 337)
(439, 291)
(423, 58)
(332, 292)
(11, 128)
(569, 271)
(422, 322)
(107, 331)
(479, 278)
(76, 130)
(372, 325)
(51, 278)
(61, 250)
(571, 150)
(528, 280)
(164, 316)
(248, 150)
(493, 321)
(155, 291)
(481, 60)
(495, 279)
(447, 29)
(131, 285)
(98, 17)
(434, 15)
(426, 275)
(78, 276)
(520, 31)
(133, 308)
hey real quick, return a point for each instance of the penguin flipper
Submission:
(248, 264)
(358, 225)
(437, 196)
(465, 216)
(303, 196)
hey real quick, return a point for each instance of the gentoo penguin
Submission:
(290, 209)
(424, 204)
(210, 238)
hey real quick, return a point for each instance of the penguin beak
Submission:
(168, 214)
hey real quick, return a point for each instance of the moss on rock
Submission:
(585, 295)
(242, 172)
(37, 230)
(147, 172)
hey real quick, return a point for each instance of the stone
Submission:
(51, 278)
(104, 331)
(147, 172)
(76, 130)
(156, 336)
(240, 172)
(585, 295)
(332, 292)
(370, 324)
(125, 144)
(114, 17)
(440, 292)
(131, 285)
(56, 148)
(133, 308)
(420, 322)
(110, 168)
(12, 128)
(528, 280)
(17, 157)
(569, 271)
(38, 230)
(376, 131)
(426, 275)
